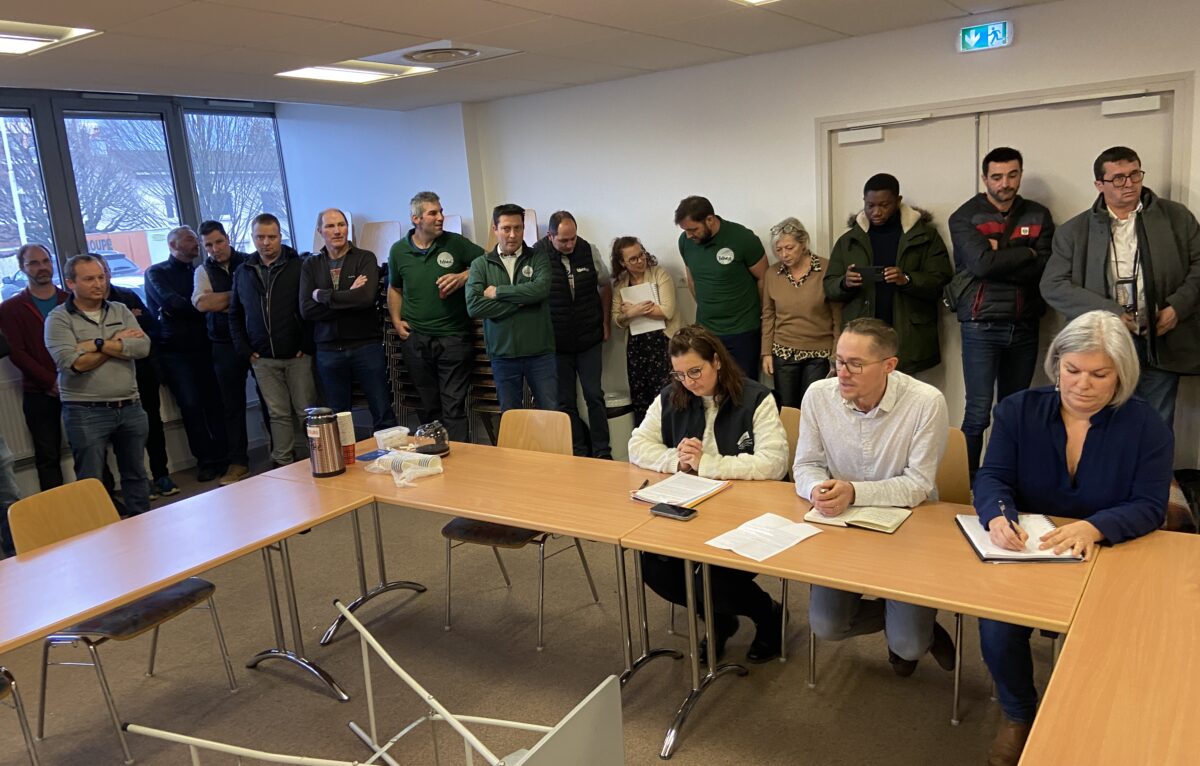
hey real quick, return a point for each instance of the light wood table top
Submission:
(575, 496)
(1127, 685)
(926, 562)
(84, 576)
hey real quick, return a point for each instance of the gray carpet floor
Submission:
(859, 713)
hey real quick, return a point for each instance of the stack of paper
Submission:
(681, 489)
(763, 537)
(646, 291)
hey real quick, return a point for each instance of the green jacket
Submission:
(517, 321)
(923, 257)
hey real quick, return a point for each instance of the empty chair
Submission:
(539, 431)
(953, 476)
(74, 509)
(590, 735)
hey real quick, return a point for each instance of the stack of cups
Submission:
(345, 423)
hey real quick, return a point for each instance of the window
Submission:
(237, 171)
(24, 216)
(126, 190)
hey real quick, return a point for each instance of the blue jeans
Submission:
(367, 364)
(745, 348)
(837, 614)
(9, 494)
(190, 377)
(539, 372)
(1005, 649)
(998, 359)
(1157, 387)
(589, 439)
(89, 432)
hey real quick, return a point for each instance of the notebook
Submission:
(646, 291)
(877, 518)
(681, 489)
(1035, 524)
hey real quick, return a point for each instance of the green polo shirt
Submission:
(415, 273)
(727, 300)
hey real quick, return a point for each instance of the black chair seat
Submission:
(144, 614)
(487, 533)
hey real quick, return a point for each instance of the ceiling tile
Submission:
(634, 15)
(442, 19)
(749, 31)
(539, 68)
(631, 49)
(543, 34)
(865, 17)
(987, 6)
(105, 16)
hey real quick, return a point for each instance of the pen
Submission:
(645, 484)
(1004, 513)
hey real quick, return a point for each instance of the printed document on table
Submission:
(646, 291)
(681, 489)
(763, 537)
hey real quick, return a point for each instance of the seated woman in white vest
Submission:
(712, 421)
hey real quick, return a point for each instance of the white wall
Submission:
(370, 162)
(620, 155)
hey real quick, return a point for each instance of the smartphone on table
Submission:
(677, 512)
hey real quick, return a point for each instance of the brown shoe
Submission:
(234, 474)
(1008, 744)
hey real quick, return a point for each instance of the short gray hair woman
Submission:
(1098, 331)
(799, 328)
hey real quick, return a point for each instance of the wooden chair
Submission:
(590, 735)
(71, 510)
(791, 426)
(10, 688)
(539, 431)
(953, 476)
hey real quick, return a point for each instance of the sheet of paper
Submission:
(646, 291)
(763, 537)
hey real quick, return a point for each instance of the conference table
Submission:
(927, 562)
(1126, 688)
(87, 575)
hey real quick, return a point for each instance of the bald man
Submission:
(337, 294)
(184, 352)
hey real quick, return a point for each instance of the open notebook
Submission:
(877, 518)
(681, 489)
(1034, 524)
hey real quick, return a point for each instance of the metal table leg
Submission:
(958, 631)
(280, 650)
(383, 587)
(698, 684)
(647, 654)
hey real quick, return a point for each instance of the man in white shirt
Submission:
(873, 436)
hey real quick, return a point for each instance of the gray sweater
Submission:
(115, 379)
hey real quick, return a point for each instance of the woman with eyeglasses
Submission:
(799, 327)
(645, 353)
(714, 422)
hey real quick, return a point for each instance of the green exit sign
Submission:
(983, 37)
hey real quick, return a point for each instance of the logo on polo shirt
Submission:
(527, 271)
(445, 260)
(1024, 231)
(724, 256)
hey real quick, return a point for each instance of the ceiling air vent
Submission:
(439, 54)
(442, 56)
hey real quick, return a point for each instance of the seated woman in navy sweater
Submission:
(715, 423)
(1083, 449)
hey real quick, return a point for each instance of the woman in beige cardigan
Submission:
(646, 357)
(799, 327)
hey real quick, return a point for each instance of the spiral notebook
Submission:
(1034, 524)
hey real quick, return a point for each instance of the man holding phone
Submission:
(891, 264)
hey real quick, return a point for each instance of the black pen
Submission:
(1004, 513)
(645, 484)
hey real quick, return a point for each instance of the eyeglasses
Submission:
(855, 367)
(1124, 180)
(693, 374)
(639, 258)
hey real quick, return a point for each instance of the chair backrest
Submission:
(590, 735)
(953, 476)
(59, 513)
(378, 236)
(536, 430)
(791, 426)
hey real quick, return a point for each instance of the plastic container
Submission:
(395, 438)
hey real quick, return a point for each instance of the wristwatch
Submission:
(99, 344)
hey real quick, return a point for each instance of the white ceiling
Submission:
(231, 49)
